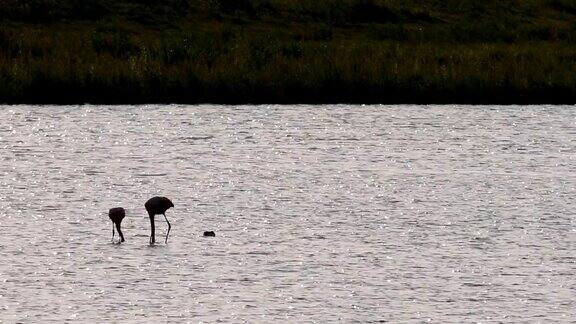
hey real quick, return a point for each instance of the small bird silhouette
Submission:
(157, 206)
(116, 216)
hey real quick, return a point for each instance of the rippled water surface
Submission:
(321, 213)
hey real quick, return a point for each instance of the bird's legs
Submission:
(168, 228)
(112, 232)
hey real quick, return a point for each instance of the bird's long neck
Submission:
(120, 232)
(152, 229)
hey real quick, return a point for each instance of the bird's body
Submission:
(157, 206)
(116, 216)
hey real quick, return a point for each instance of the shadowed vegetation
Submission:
(287, 51)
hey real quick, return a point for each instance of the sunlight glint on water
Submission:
(321, 213)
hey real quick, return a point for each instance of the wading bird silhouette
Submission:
(116, 216)
(157, 206)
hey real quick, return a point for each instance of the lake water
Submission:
(321, 213)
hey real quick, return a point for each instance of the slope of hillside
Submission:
(287, 51)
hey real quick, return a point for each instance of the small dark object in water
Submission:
(116, 216)
(209, 233)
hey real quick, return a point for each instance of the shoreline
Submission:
(414, 98)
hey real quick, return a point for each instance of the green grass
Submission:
(287, 51)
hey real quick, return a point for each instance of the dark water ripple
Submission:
(447, 214)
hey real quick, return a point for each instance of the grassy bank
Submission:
(287, 51)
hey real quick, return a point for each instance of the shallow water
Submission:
(321, 213)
